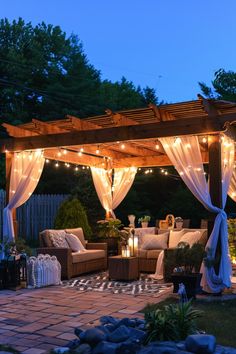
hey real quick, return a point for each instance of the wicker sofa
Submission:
(148, 258)
(75, 263)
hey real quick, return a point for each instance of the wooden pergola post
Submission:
(9, 159)
(215, 180)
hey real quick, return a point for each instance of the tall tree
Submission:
(223, 86)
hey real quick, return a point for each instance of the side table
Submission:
(123, 268)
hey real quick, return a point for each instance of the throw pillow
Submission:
(58, 238)
(191, 237)
(75, 243)
(155, 242)
(174, 238)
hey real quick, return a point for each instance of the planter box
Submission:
(190, 281)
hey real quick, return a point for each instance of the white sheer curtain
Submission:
(103, 182)
(111, 193)
(232, 186)
(123, 180)
(185, 155)
(25, 173)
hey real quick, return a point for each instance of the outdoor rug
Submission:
(100, 282)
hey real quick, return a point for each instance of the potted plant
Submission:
(109, 230)
(179, 222)
(144, 220)
(186, 262)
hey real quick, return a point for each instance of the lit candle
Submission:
(135, 245)
(127, 251)
(130, 245)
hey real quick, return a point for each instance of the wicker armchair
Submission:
(74, 263)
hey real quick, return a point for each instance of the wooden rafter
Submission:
(17, 132)
(73, 157)
(80, 124)
(150, 161)
(103, 151)
(157, 111)
(130, 149)
(119, 119)
(208, 106)
(44, 128)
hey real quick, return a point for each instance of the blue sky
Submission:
(166, 44)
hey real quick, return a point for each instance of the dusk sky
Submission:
(169, 45)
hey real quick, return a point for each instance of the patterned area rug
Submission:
(100, 282)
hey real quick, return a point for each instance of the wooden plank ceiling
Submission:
(201, 117)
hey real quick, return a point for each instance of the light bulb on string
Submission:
(81, 149)
(47, 160)
(122, 146)
(56, 164)
(97, 150)
(76, 168)
(59, 153)
(204, 140)
(64, 151)
(157, 146)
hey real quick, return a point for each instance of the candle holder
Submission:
(125, 251)
(133, 243)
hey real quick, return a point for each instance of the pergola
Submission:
(126, 138)
(129, 138)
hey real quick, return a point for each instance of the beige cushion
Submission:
(153, 254)
(77, 232)
(55, 238)
(155, 242)
(175, 237)
(88, 255)
(142, 253)
(74, 243)
(191, 237)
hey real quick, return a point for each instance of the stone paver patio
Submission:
(35, 321)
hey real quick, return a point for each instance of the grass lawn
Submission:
(218, 318)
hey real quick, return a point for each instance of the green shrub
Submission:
(71, 214)
(173, 322)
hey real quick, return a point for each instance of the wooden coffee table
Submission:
(123, 268)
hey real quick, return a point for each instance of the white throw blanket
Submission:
(159, 267)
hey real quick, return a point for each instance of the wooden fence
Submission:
(37, 214)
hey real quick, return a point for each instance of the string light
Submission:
(122, 146)
(56, 164)
(64, 151)
(47, 161)
(81, 149)
(59, 153)
(80, 153)
(157, 146)
(83, 167)
(76, 168)
(204, 140)
(97, 151)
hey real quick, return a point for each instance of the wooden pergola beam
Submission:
(196, 125)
